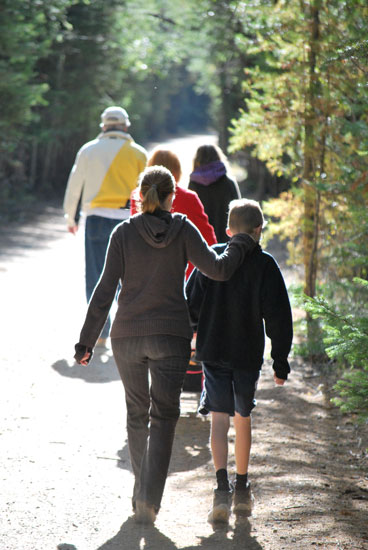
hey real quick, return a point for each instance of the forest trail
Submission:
(65, 477)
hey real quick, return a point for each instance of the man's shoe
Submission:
(145, 513)
(243, 501)
(221, 508)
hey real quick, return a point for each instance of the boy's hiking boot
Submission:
(221, 508)
(243, 500)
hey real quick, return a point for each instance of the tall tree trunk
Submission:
(52, 143)
(224, 110)
(310, 152)
(311, 196)
(33, 163)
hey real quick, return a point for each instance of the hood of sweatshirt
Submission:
(158, 229)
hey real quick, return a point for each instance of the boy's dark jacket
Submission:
(228, 316)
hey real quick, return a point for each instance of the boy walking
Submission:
(229, 318)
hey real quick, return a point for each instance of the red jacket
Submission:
(186, 202)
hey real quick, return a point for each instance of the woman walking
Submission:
(215, 189)
(151, 334)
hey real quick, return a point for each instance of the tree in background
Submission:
(81, 57)
(27, 31)
(175, 66)
(346, 339)
(306, 117)
(82, 72)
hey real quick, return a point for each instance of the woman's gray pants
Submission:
(152, 369)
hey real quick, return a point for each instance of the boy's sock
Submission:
(241, 481)
(222, 480)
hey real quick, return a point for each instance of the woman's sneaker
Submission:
(221, 508)
(243, 500)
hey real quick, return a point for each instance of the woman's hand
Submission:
(83, 354)
(85, 359)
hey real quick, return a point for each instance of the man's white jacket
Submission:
(104, 174)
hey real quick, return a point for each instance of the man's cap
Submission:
(115, 115)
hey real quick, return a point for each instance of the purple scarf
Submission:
(207, 174)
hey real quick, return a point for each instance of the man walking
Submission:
(104, 174)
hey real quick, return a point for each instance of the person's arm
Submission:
(74, 190)
(102, 298)
(276, 312)
(219, 268)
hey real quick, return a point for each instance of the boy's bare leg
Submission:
(221, 508)
(243, 442)
(220, 424)
(243, 498)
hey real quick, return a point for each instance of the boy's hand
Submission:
(278, 381)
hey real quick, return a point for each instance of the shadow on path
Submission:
(39, 230)
(101, 369)
(190, 450)
(133, 536)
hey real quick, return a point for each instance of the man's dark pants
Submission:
(97, 235)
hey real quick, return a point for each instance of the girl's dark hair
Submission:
(156, 183)
(206, 154)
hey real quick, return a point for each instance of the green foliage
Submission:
(276, 90)
(26, 32)
(305, 116)
(219, 53)
(64, 61)
(346, 340)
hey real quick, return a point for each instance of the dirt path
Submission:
(65, 476)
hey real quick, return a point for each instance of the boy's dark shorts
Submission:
(228, 390)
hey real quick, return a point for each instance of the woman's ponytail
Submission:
(156, 183)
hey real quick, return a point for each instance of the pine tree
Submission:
(346, 341)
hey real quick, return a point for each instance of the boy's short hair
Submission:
(244, 216)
